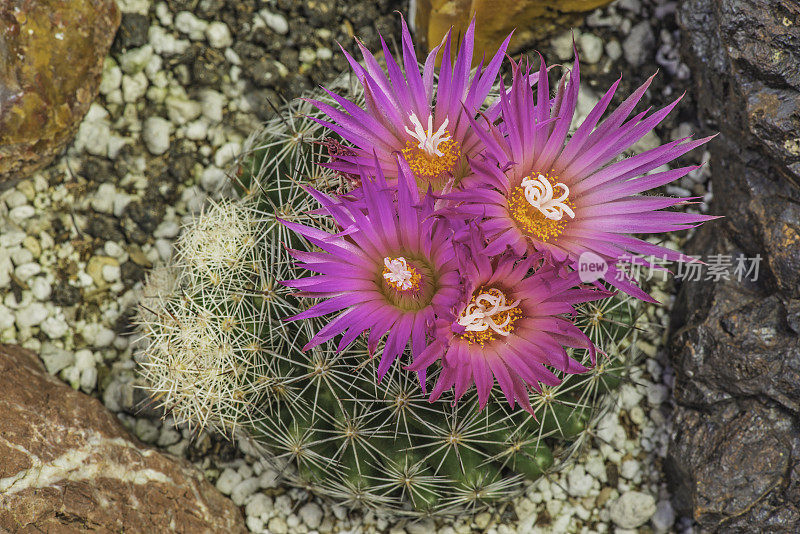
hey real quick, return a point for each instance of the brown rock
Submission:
(67, 465)
(51, 60)
(532, 20)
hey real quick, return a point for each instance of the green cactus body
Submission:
(220, 356)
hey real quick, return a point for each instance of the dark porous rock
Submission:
(737, 465)
(319, 12)
(65, 295)
(147, 216)
(103, 227)
(132, 32)
(208, 66)
(51, 61)
(734, 457)
(67, 465)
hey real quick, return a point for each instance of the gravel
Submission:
(184, 85)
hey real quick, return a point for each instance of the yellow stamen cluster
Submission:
(488, 335)
(530, 220)
(428, 168)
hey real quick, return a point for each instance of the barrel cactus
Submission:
(451, 223)
(219, 355)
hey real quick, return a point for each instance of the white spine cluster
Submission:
(205, 359)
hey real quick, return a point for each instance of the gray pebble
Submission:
(638, 46)
(591, 48)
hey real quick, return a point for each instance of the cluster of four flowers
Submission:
(462, 233)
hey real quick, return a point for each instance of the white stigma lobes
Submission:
(539, 194)
(478, 316)
(399, 274)
(428, 140)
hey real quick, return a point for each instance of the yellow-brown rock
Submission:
(51, 60)
(534, 20)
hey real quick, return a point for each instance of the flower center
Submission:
(488, 315)
(431, 154)
(536, 209)
(399, 275)
(539, 193)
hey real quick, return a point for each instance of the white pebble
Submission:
(664, 517)
(212, 179)
(194, 198)
(156, 135)
(637, 415)
(112, 77)
(27, 270)
(596, 467)
(55, 358)
(226, 153)
(20, 213)
(164, 14)
(6, 318)
(113, 249)
(164, 248)
(268, 479)
(629, 396)
(629, 469)
(259, 505)
(228, 480)
(182, 110)
(135, 60)
(10, 238)
(277, 525)
(167, 230)
(103, 199)
(254, 524)
(165, 44)
(104, 337)
(189, 24)
(614, 50)
(111, 273)
(311, 514)
(218, 35)
(84, 359)
(591, 48)
(657, 394)
(134, 87)
(55, 327)
(31, 315)
(562, 45)
(6, 268)
(243, 490)
(212, 104)
(307, 55)
(579, 482)
(632, 509)
(196, 130)
(275, 21)
(94, 131)
(41, 288)
(88, 379)
(21, 255)
(678, 191)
